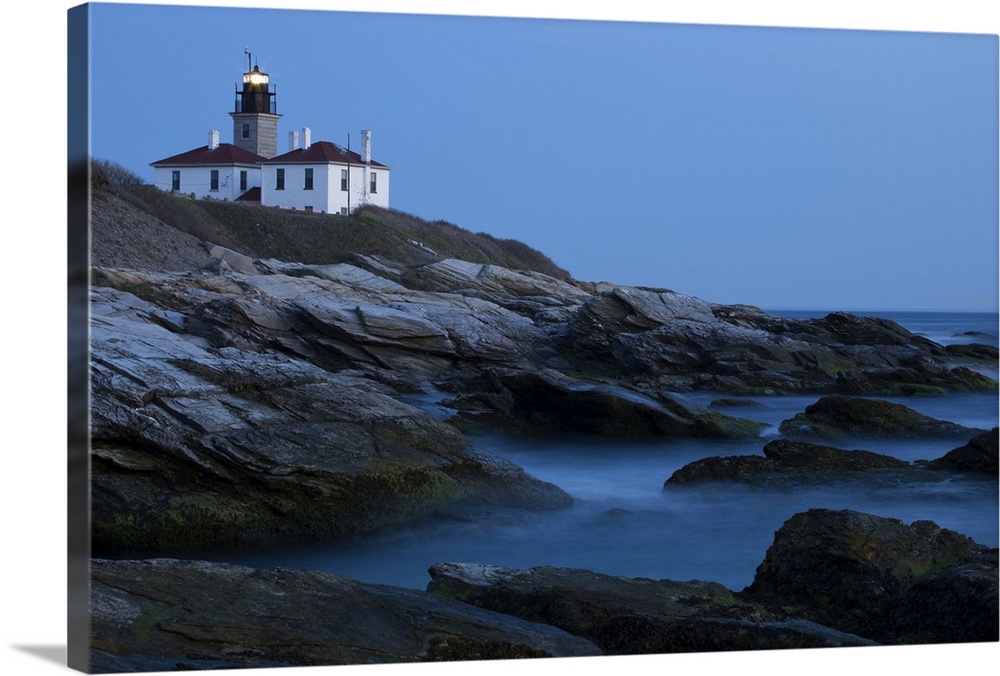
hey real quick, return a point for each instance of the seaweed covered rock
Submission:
(880, 578)
(980, 455)
(837, 416)
(785, 457)
(163, 615)
(631, 615)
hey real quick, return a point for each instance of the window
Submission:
(309, 179)
(279, 179)
(175, 179)
(372, 188)
(214, 181)
(343, 179)
(243, 180)
(246, 130)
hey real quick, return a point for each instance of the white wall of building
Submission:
(294, 194)
(197, 180)
(327, 195)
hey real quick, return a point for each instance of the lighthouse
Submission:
(255, 115)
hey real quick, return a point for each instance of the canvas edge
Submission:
(78, 255)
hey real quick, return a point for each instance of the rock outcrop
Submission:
(631, 615)
(831, 578)
(548, 402)
(164, 615)
(288, 380)
(836, 417)
(880, 578)
(981, 455)
(785, 458)
(681, 343)
(195, 443)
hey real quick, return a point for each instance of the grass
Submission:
(318, 239)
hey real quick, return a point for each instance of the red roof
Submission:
(321, 152)
(224, 153)
(251, 195)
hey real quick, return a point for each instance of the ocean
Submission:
(624, 521)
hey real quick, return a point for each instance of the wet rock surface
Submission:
(785, 457)
(164, 614)
(804, 461)
(193, 443)
(631, 615)
(835, 417)
(880, 578)
(979, 455)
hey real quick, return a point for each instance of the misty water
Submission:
(624, 521)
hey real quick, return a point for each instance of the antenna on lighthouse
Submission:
(246, 50)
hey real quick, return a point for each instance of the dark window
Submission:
(343, 179)
(246, 130)
(309, 178)
(279, 179)
(243, 180)
(175, 179)
(214, 181)
(373, 187)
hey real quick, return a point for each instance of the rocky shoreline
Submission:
(259, 401)
(831, 579)
(251, 406)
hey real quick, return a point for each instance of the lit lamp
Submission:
(255, 77)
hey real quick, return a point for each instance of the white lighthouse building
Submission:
(317, 176)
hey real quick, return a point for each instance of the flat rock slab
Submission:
(631, 615)
(193, 614)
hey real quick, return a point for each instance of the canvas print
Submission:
(411, 338)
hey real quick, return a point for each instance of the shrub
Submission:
(104, 173)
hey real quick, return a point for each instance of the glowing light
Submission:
(255, 77)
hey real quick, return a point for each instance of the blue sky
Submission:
(780, 167)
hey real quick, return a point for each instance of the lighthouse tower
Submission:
(255, 118)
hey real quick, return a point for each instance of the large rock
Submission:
(980, 455)
(631, 615)
(787, 458)
(193, 443)
(546, 401)
(880, 578)
(681, 343)
(342, 318)
(836, 417)
(455, 317)
(164, 615)
(530, 293)
(923, 379)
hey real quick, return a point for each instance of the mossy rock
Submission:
(837, 417)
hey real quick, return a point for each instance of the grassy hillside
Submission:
(268, 232)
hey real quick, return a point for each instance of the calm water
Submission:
(625, 522)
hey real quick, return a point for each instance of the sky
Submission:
(779, 167)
